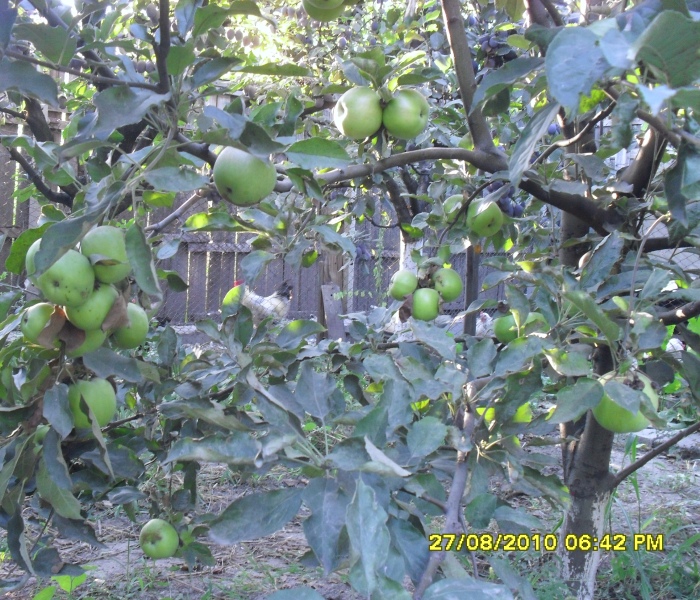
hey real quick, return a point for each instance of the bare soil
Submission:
(668, 491)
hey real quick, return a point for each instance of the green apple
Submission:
(35, 319)
(538, 318)
(133, 334)
(403, 283)
(505, 329)
(159, 539)
(325, 12)
(453, 203)
(406, 114)
(99, 396)
(69, 281)
(93, 340)
(105, 246)
(620, 420)
(358, 113)
(448, 283)
(29, 260)
(522, 415)
(426, 304)
(92, 313)
(484, 218)
(243, 179)
(326, 4)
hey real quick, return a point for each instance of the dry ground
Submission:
(668, 498)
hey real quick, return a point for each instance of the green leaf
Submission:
(55, 43)
(672, 58)
(121, 105)
(528, 141)
(480, 357)
(236, 448)
(583, 301)
(327, 502)
(317, 153)
(105, 362)
(60, 498)
(203, 409)
(276, 70)
(213, 15)
(255, 516)
(295, 332)
(575, 400)
(211, 70)
(18, 249)
(184, 16)
(252, 264)
(574, 63)
(495, 81)
(176, 179)
(22, 77)
(368, 533)
(7, 21)
(159, 199)
(568, 363)
(426, 436)
(179, 58)
(476, 589)
(314, 391)
(141, 258)
(479, 511)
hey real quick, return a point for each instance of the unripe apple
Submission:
(35, 319)
(158, 539)
(522, 415)
(484, 218)
(133, 334)
(322, 13)
(105, 246)
(92, 313)
(99, 396)
(93, 340)
(426, 304)
(358, 113)
(406, 114)
(505, 329)
(69, 281)
(403, 283)
(448, 283)
(243, 179)
(620, 420)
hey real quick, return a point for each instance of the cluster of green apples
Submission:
(359, 114)
(445, 285)
(81, 308)
(326, 10)
(79, 296)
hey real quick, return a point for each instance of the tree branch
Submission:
(35, 178)
(163, 48)
(462, 59)
(553, 12)
(402, 212)
(680, 314)
(620, 476)
(78, 73)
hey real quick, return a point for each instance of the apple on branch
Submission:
(358, 113)
(406, 114)
(242, 178)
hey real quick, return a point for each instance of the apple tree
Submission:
(484, 126)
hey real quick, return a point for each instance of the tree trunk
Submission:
(586, 466)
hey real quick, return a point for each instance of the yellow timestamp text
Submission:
(547, 542)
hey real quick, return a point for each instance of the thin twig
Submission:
(77, 73)
(620, 476)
